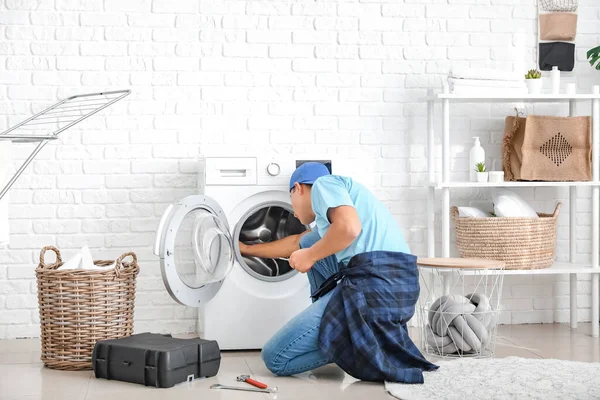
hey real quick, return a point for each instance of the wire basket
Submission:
(459, 310)
(80, 307)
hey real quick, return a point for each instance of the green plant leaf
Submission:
(533, 74)
(595, 50)
(593, 55)
(480, 167)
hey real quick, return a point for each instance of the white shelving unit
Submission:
(571, 268)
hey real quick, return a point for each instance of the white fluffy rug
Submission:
(505, 378)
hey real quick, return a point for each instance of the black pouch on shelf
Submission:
(558, 54)
(155, 360)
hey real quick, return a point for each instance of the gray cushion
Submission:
(458, 323)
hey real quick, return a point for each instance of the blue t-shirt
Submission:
(380, 231)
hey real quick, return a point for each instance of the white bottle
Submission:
(555, 74)
(476, 155)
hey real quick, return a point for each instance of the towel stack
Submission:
(485, 81)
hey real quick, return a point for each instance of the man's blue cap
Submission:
(308, 173)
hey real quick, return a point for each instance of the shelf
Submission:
(555, 269)
(503, 98)
(518, 99)
(441, 185)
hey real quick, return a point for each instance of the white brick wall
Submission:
(297, 76)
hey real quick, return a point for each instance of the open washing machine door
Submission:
(195, 249)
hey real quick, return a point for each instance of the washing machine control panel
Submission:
(276, 171)
(273, 169)
(261, 170)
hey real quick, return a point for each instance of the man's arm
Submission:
(279, 248)
(344, 229)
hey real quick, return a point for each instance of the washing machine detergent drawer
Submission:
(155, 360)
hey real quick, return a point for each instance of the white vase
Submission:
(482, 177)
(476, 156)
(534, 86)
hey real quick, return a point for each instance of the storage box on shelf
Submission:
(445, 184)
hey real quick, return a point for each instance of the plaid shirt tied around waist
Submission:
(363, 329)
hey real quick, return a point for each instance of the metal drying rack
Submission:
(57, 118)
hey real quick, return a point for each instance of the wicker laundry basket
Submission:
(80, 307)
(523, 243)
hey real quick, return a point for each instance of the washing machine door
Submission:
(195, 249)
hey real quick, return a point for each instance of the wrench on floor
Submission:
(246, 389)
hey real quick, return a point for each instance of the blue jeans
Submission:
(295, 347)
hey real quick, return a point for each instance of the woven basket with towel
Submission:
(521, 242)
(81, 306)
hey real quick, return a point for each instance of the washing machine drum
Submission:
(265, 224)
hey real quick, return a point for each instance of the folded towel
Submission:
(487, 91)
(83, 260)
(486, 83)
(484, 74)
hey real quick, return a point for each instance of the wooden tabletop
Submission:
(466, 263)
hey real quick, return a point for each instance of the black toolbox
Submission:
(155, 360)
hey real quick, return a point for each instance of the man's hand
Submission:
(302, 260)
(278, 248)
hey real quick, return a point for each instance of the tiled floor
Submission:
(22, 376)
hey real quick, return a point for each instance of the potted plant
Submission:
(593, 56)
(534, 81)
(482, 173)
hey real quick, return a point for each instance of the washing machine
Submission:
(242, 301)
